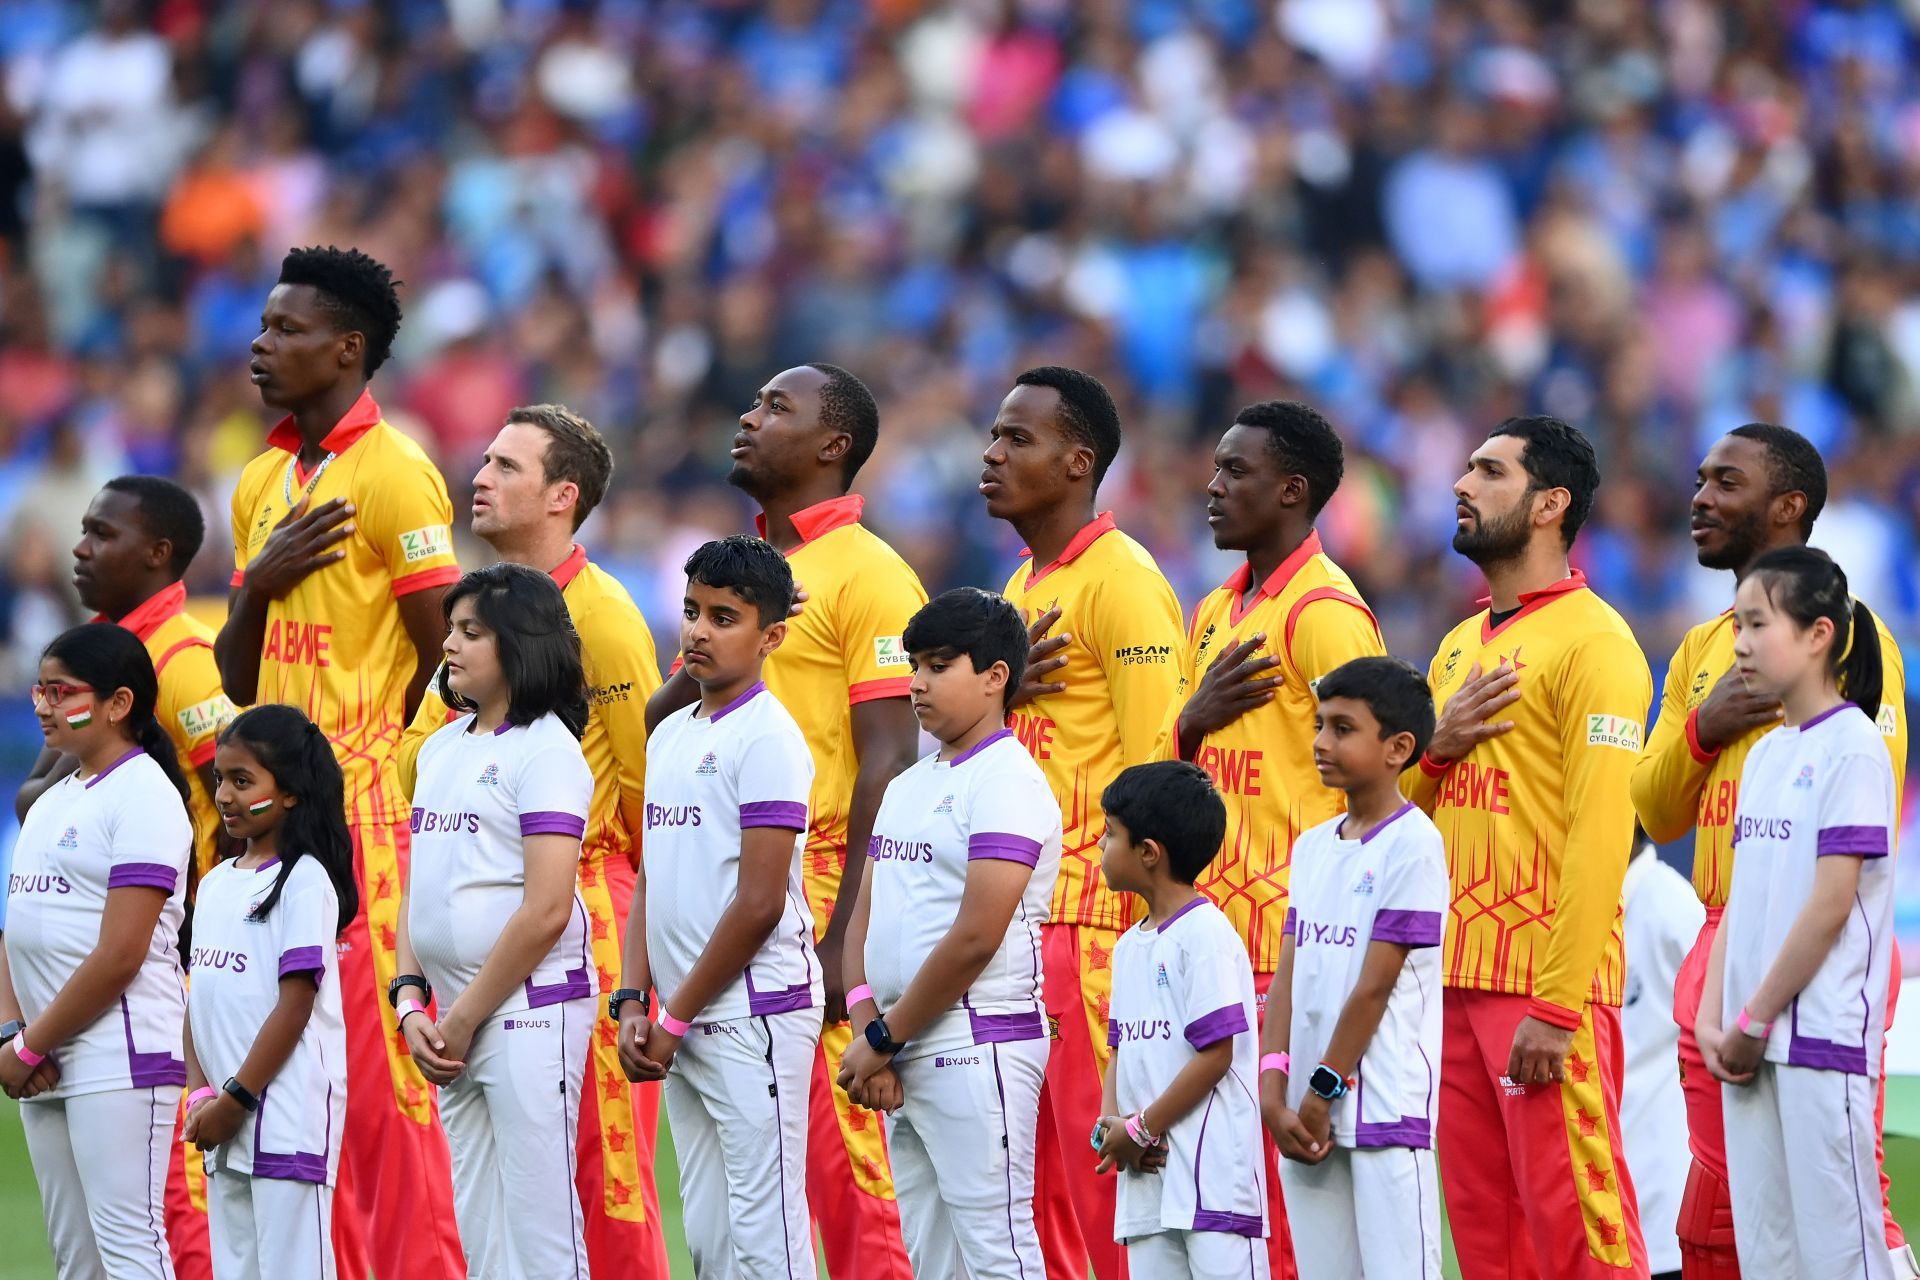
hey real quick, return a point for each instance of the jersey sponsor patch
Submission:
(426, 542)
(490, 776)
(1888, 720)
(69, 839)
(710, 764)
(207, 716)
(889, 652)
(618, 691)
(1613, 731)
(1140, 655)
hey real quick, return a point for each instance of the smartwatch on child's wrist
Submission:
(1328, 1083)
(625, 994)
(8, 1030)
(409, 980)
(241, 1094)
(881, 1040)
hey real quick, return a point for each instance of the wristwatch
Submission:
(1328, 1083)
(625, 994)
(8, 1030)
(241, 1094)
(408, 980)
(881, 1040)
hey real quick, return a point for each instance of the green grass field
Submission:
(25, 1257)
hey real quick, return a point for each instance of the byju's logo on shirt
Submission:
(1306, 933)
(887, 849)
(424, 821)
(1749, 828)
(710, 764)
(69, 839)
(1143, 1029)
(527, 1024)
(18, 886)
(490, 776)
(941, 1061)
(685, 815)
(209, 958)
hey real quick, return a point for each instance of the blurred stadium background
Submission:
(1656, 218)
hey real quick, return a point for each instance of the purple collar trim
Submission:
(978, 747)
(274, 861)
(101, 776)
(1176, 915)
(502, 727)
(1805, 725)
(1384, 823)
(759, 687)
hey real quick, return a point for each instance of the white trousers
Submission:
(1365, 1215)
(1201, 1255)
(737, 1101)
(269, 1228)
(101, 1161)
(1802, 1176)
(962, 1145)
(511, 1118)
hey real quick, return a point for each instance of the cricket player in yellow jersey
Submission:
(136, 540)
(1542, 696)
(542, 476)
(342, 550)
(1103, 670)
(1256, 647)
(843, 675)
(1760, 487)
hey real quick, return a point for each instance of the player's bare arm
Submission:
(886, 740)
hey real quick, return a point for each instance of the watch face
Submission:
(1325, 1082)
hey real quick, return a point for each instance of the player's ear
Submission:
(1550, 504)
(1788, 509)
(1400, 750)
(564, 496)
(1152, 854)
(773, 637)
(352, 349)
(1080, 460)
(997, 676)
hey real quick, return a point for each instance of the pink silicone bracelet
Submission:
(672, 1025)
(859, 993)
(25, 1054)
(204, 1091)
(1748, 1026)
(407, 1006)
(1276, 1062)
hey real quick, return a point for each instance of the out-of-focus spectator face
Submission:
(780, 434)
(510, 491)
(1732, 503)
(1495, 497)
(1030, 460)
(299, 353)
(1244, 496)
(111, 559)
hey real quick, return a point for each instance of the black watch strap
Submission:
(624, 994)
(241, 1094)
(881, 1040)
(408, 980)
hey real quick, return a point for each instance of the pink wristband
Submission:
(1747, 1025)
(671, 1025)
(859, 993)
(25, 1054)
(203, 1092)
(407, 1006)
(1276, 1062)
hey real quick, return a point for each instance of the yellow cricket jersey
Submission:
(1679, 784)
(1262, 763)
(616, 648)
(335, 646)
(1122, 674)
(192, 708)
(843, 649)
(1539, 821)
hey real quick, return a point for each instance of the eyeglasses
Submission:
(56, 692)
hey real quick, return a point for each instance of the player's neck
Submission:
(1264, 560)
(1370, 805)
(717, 696)
(99, 757)
(1740, 574)
(137, 594)
(778, 510)
(1164, 897)
(491, 714)
(1048, 532)
(261, 849)
(545, 546)
(988, 725)
(1540, 566)
(1813, 698)
(316, 419)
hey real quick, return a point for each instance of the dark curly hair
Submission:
(358, 293)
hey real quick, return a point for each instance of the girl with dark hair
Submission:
(492, 923)
(91, 995)
(1794, 1016)
(264, 1014)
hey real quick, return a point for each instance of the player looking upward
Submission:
(844, 676)
(1541, 697)
(342, 550)
(1760, 488)
(1105, 627)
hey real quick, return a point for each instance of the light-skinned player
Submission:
(720, 927)
(1179, 1125)
(944, 953)
(1356, 999)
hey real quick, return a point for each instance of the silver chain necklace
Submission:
(293, 464)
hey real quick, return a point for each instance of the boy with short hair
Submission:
(1357, 995)
(1179, 1119)
(728, 941)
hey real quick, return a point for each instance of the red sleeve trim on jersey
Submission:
(1700, 753)
(674, 669)
(1557, 1015)
(202, 755)
(160, 663)
(239, 579)
(1434, 768)
(1323, 593)
(444, 575)
(872, 690)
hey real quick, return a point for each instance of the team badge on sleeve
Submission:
(888, 652)
(1613, 731)
(426, 543)
(207, 716)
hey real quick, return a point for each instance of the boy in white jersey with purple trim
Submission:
(493, 924)
(1350, 1052)
(264, 1016)
(1180, 1120)
(720, 927)
(943, 954)
(91, 995)
(1795, 1007)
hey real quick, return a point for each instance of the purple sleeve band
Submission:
(774, 813)
(1211, 1028)
(1003, 845)
(302, 960)
(1861, 842)
(1113, 1034)
(551, 822)
(1408, 928)
(143, 875)
(1286, 930)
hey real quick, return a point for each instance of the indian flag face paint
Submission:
(79, 719)
(259, 807)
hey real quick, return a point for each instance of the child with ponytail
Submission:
(91, 997)
(264, 1015)
(1794, 1013)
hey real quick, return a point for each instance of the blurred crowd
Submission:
(1655, 218)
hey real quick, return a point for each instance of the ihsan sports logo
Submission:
(709, 765)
